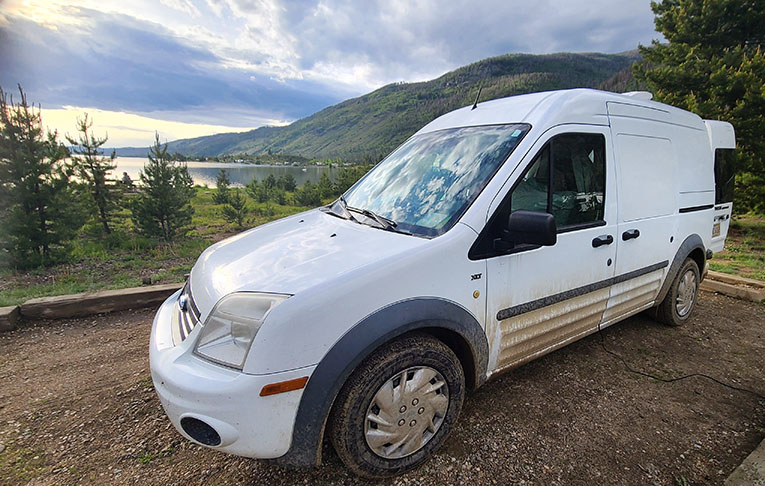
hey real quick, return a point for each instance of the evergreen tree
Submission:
(278, 196)
(325, 187)
(252, 188)
(39, 215)
(348, 177)
(308, 195)
(163, 206)
(222, 183)
(713, 64)
(287, 182)
(92, 168)
(236, 209)
(259, 192)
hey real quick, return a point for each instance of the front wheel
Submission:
(680, 301)
(398, 407)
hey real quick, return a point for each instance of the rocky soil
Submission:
(77, 407)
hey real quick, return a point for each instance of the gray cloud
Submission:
(116, 62)
(402, 40)
(239, 62)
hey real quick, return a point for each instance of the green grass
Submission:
(121, 260)
(744, 253)
(145, 457)
(20, 465)
(67, 285)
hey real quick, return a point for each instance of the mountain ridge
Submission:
(377, 122)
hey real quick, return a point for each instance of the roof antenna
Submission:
(475, 104)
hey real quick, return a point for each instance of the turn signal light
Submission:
(283, 386)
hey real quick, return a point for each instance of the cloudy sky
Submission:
(194, 67)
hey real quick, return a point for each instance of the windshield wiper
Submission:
(344, 207)
(385, 223)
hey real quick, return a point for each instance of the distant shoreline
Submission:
(246, 162)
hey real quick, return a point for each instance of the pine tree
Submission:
(253, 188)
(222, 183)
(278, 196)
(270, 184)
(163, 206)
(308, 195)
(39, 215)
(325, 187)
(287, 182)
(348, 177)
(258, 191)
(713, 64)
(235, 210)
(92, 168)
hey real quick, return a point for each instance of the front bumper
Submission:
(225, 399)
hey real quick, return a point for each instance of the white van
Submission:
(496, 234)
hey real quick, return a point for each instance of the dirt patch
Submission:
(77, 407)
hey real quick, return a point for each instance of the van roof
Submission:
(550, 108)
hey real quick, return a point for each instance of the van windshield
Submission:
(426, 184)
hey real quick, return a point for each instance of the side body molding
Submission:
(428, 314)
(691, 243)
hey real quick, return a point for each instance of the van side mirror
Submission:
(532, 227)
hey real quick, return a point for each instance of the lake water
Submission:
(205, 173)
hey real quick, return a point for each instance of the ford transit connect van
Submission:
(496, 234)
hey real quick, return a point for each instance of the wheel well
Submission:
(698, 256)
(441, 319)
(459, 347)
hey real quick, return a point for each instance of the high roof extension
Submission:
(550, 108)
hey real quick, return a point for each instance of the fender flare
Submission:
(427, 313)
(691, 243)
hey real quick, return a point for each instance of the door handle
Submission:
(630, 234)
(602, 240)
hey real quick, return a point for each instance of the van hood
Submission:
(289, 255)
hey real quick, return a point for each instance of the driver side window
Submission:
(567, 179)
(531, 192)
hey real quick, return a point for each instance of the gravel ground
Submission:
(77, 407)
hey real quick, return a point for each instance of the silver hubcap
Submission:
(686, 293)
(406, 412)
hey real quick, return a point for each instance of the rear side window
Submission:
(725, 175)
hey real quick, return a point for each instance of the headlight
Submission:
(232, 325)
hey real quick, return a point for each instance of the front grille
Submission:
(188, 313)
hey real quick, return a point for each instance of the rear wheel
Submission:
(398, 407)
(677, 306)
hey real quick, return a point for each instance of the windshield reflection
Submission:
(426, 184)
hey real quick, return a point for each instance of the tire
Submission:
(437, 388)
(678, 304)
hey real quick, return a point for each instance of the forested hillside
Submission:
(377, 122)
